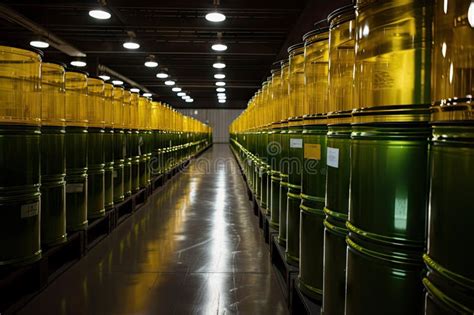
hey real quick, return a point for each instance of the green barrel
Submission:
(264, 169)
(119, 163)
(295, 160)
(53, 185)
(142, 152)
(109, 144)
(135, 152)
(127, 166)
(313, 192)
(258, 165)
(450, 280)
(95, 173)
(387, 217)
(274, 152)
(336, 209)
(282, 234)
(149, 154)
(19, 194)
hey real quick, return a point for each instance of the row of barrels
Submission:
(72, 147)
(360, 147)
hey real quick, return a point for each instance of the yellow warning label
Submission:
(312, 151)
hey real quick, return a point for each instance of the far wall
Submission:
(218, 119)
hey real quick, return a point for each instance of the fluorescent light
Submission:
(189, 100)
(176, 89)
(135, 90)
(117, 82)
(219, 65)
(147, 94)
(99, 14)
(220, 83)
(181, 94)
(170, 82)
(219, 76)
(220, 89)
(104, 77)
(131, 45)
(222, 101)
(195, 112)
(78, 63)
(219, 47)
(39, 44)
(222, 97)
(151, 64)
(186, 97)
(215, 17)
(162, 75)
(220, 94)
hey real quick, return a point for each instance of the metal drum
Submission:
(313, 182)
(119, 145)
(95, 152)
(340, 105)
(53, 161)
(295, 151)
(127, 166)
(109, 146)
(76, 150)
(135, 142)
(262, 149)
(142, 140)
(284, 153)
(20, 118)
(389, 153)
(148, 142)
(155, 140)
(449, 282)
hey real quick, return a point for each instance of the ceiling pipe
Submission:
(15, 17)
(107, 70)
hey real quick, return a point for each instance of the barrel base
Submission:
(78, 227)
(51, 243)
(309, 291)
(282, 241)
(23, 260)
(292, 260)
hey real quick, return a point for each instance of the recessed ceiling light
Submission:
(215, 17)
(220, 94)
(147, 94)
(162, 75)
(221, 89)
(189, 100)
(220, 83)
(39, 44)
(117, 82)
(219, 76)
(151, 64)
(104, 77)
(176, 89)
(170, 82)
(78, 63)
(100, 14)
(135, 90)
(181, 94)
(131, 45)
(221, 101)
(219, 65)
(219, 47)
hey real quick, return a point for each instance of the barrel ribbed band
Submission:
(455, 306)
(448, 274)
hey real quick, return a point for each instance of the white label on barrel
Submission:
(333, 157)
(296, 143)
(30, 210)
(115, 174)
(74, 188)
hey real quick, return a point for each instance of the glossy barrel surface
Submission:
(119, 161)
(283, 187)
(109, 168)
(96, 173)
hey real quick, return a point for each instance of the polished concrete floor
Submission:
(194, 249)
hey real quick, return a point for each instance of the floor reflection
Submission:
(194, 249)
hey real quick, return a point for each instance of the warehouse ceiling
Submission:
(176, 33)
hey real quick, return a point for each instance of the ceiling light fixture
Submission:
(170, 82)
(104, 77)
(222, 97)
(150, 62)
(147, 94)
(220, 94)
(162, 75)
(39, 43)
(181, 94)
(135, 90)
(78, 63)
(219, 47)
(176, 89)
(99, 14)
(186, 97)
(221, 89)
(117, 82)
(131, 44)
(222, 101)
(220, 83)
(215, 17)
(219, 65)
(189, 100)
(219, 76)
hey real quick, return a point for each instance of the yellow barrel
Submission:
(119, 144)
(134, 141)
(127, 125)
(20, 117)
(109, 145)
(53, 161)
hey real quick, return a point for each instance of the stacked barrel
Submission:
(359, 190)
(72, 147)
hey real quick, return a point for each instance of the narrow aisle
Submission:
(195, 249)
